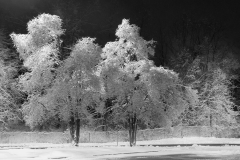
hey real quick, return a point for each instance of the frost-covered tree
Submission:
(217, 101)
(212, 74)
(76, 85)
(39, 51)
(9, 109)
(10, 96)
(141, 88)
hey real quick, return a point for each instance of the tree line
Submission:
(115, 86)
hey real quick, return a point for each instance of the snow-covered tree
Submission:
(10, 96)
(141, 88)
(217, 101)
(9, 109)
(211, 73)
(39, 51)
(76, 85)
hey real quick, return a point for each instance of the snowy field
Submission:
(108, 151)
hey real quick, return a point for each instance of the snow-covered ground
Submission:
(123, 151)
(184, 140)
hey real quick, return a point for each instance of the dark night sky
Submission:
(159, 13)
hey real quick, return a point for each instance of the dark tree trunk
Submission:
(72, 128)
(77, 132)
(103, 124)
(132, 130)
(210, 123)
(135, 129)
(105, 121)
(210, 119)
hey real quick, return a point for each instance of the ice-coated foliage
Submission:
(141, 88)
(127, 31)
(9, 94)
(8, 107)
(211, 73)
(129, 46)
(76, 81)
(39, 50)
(23, 44)
(42, 67)
(34, 111)
(42, 30)
(216, 100)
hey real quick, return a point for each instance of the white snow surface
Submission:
(184, 140)
(97, 151)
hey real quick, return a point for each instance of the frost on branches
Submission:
(212, 74)
(9, 109)
(39, 51)
(9, 96)
(76, 85)
(143, 91)
(216, 101)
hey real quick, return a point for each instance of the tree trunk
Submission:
(77, 132)
(135, 129)
(210, 120)
(72, 128)
(132, 130)
(105, 121)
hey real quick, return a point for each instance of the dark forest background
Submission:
(158, 20)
